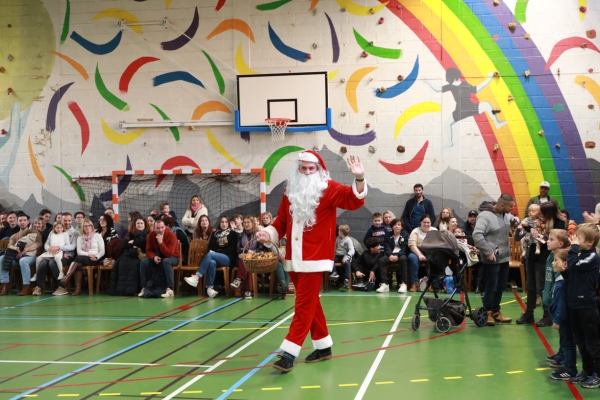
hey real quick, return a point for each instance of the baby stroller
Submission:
(441, 250)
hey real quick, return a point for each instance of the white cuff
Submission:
(361, 195)
(324, 343)
(290, 347)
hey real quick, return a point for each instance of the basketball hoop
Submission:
(277, 126)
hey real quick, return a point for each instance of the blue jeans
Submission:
(567, 346)
(413, 268)
(495, 277)
(166, 264)
(209, 265)
(25, 263)
(338, 259)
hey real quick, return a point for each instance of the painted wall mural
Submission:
(472, 98)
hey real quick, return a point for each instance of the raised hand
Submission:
(356, 167)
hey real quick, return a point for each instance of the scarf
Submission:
(87, 242)
(195, 208)
(246, 237)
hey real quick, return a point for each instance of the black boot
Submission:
(319, 355)
(526, 318)
(284, 364)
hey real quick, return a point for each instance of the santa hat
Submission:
(312, 156)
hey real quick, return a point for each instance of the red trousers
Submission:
(308, 315)
(245, 276)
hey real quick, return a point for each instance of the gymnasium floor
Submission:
(187, 347)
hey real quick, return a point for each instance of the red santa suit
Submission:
(309, 252)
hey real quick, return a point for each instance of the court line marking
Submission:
(78, 363)
(371, 373)
(29, 302)
(115, 354)
(218, 364)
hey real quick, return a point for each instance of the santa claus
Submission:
(307, 216)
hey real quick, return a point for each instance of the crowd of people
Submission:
(560, 257)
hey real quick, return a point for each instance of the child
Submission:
(58, 237)
(165, 208)
(378, 230)
(560, 322)
(372, 262)
(236, 223)
(471, 252)
(398, 255)
(532, 221)
(583, 265)
(344, 251)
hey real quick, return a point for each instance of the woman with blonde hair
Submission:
(244, 278)
(192, 215)
(443, 219)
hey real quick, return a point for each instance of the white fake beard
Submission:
(304, 193)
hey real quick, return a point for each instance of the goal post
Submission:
(222, 191)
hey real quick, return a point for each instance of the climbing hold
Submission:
(381, 89)
(496, 74)
(583, 46)
(364, 54)
(527, 73)
(496, 3)
(557, 145)
(10, 57)
(381, 20)
(591, 70)
(510, 98)
(4, 132)
(372, 112)
(527, 36)
(400, 78)
(343, 113)
(512, 26)
(582, 9)
(401, 149)
(343, 150)
(9, 91)
(558, 72)
(372, 149)
(591, 34)
(496, 111)
(541, 133)
(308, 57)
(371, 11)
(2, 70)
(314, 46)
(367, 125)
(591, 106)
(588, 145)
(343, 80)
(496, 147)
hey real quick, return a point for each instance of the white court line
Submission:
(367, 381)
(195, 379)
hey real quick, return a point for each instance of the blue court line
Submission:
(248, 376)
(133, 346)
(24, 304)
(217, 321)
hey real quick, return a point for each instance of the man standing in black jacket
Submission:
(415, 208)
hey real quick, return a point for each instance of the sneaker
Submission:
(360, 285)
(319, 355)
(168, 293)
(284, 364)
(592, 382)
(247, 295)
(236, 283)
(580, 377)
(210, 291)
(545, 321)
(561, 375)
(384, 287)
(61, 275)
(141, 293)
(193, 280)
(334, 275)
(526, 318)
(556, 363)
(37, 291)
(513, 285)
(60, 291)
(556, 356)
(344, 287)
(370, 286)
(33, 278)
(402, 288)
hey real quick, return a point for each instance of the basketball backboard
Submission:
(301, 97)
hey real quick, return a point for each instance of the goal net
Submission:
(223, 192)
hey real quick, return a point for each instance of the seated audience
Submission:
(453, 225)
(571, 225)
(267, 219)
(28, 245)
(68, 252)
(125, 276)
(204, 229)
(121, 231)
(192, 215)
(181, 236)
(106, 228)
(398, 255)
(165, 208)
(443, 219)
(58, 217)
(236, 223)
(3, 215)
(46, 215)
(377, 230)
(244, 278)
(388, 217)
(162, 250)
(40, 225)
(415, 257)
(90, 250)
(344, 252)
(223, 252)
(371, 264)
(58, 237)
(152, 218)
(470, 225)
(12, 226)
(79, 218)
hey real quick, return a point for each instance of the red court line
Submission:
(250, 355)
(117, 369)
(188, 362)
(56, 373)
(10, 347)
(572, 388)
(367, 338)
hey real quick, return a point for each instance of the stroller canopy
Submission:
(440, 240)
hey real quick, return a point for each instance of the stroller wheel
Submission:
(415, 323)
(442, 324)
(479, 316)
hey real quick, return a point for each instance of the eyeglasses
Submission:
(91, 226)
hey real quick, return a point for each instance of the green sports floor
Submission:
(186, 347)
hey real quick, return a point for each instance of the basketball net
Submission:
(278, 126)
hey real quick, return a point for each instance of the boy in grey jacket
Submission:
(491, 238)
